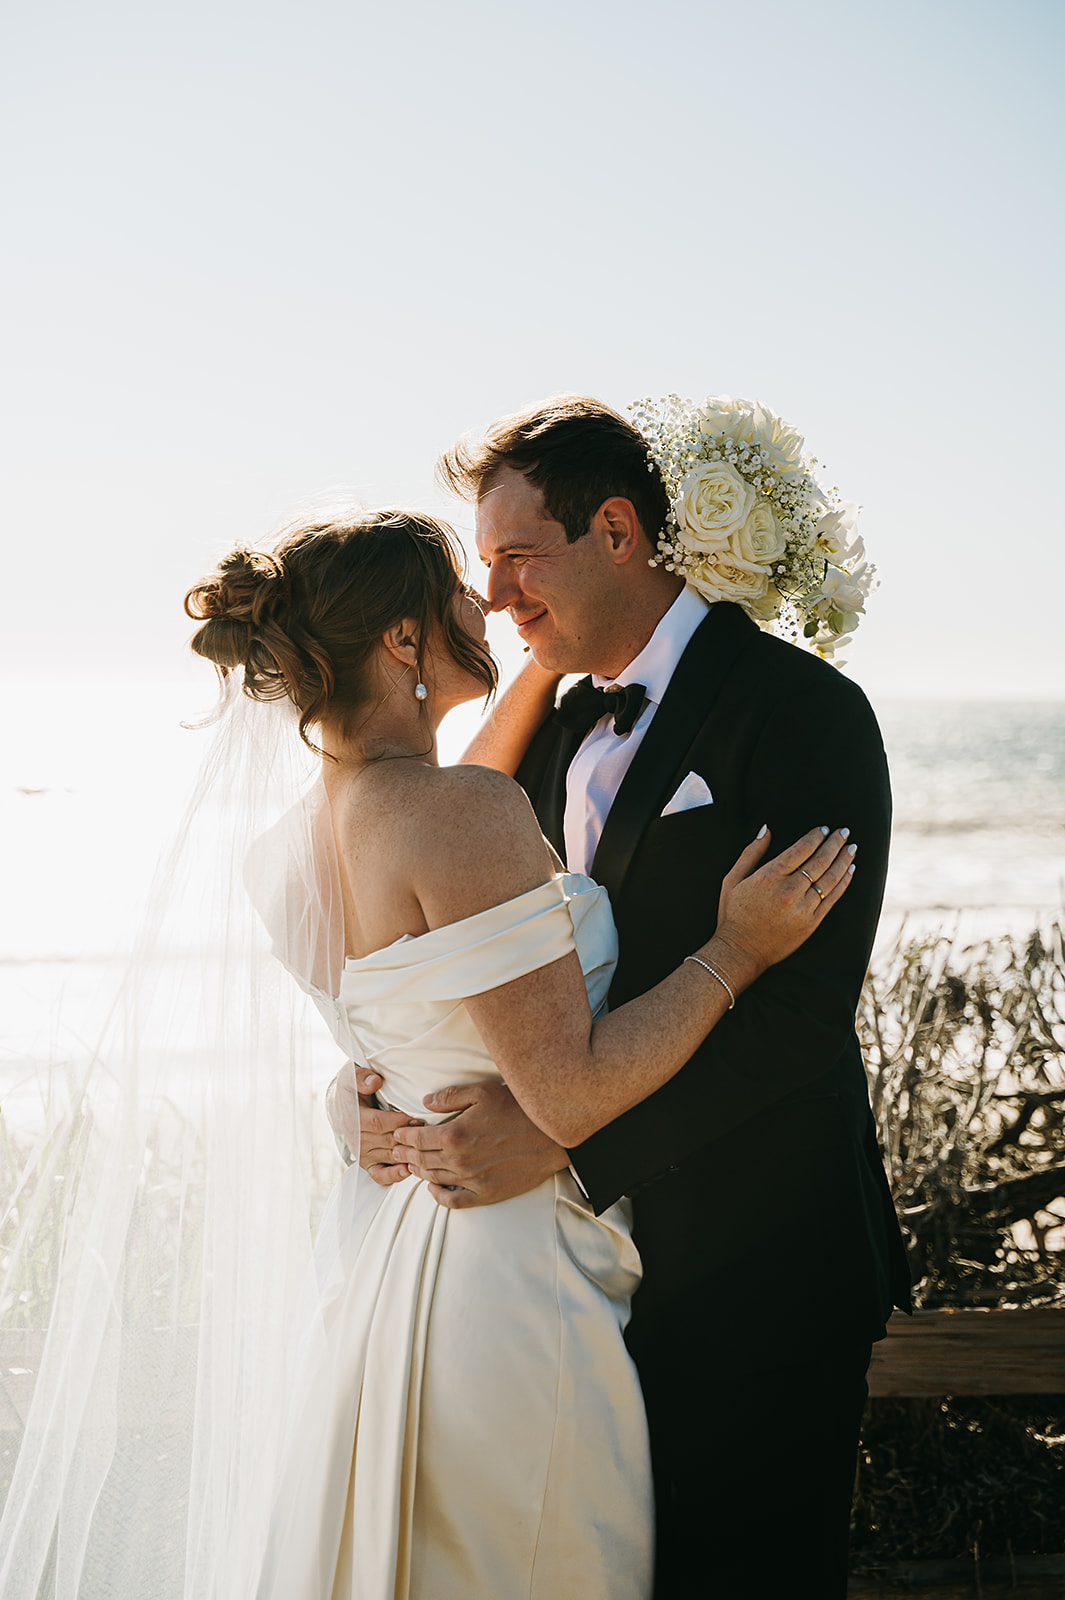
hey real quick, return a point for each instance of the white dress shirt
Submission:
(596, 771)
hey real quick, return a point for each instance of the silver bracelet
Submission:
(723, 981)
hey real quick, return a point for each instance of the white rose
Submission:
(750, 422)
(768, 607)
(720, 414)
(761, 539)
(712, 503)
(778, 440)
(717, 577)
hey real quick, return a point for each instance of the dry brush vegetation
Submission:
(966, 1055)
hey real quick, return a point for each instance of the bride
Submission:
(464, 1422)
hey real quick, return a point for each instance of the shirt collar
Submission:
(657, 661)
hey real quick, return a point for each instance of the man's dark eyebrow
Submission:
(509, 549)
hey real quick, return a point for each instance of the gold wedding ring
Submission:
(813, 885)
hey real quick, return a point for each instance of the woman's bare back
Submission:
(421, 845)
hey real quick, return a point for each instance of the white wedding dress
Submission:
(466, 1423)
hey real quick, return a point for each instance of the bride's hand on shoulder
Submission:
(768, 909)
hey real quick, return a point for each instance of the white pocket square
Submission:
(693, 792)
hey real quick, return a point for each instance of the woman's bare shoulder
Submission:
(465, 838)
(485, 790)
(446, 823)
(415, 794)
(479, 810)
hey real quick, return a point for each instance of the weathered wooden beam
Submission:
(1030, 1577)
(971, 1352)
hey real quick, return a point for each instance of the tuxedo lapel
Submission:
(550, 804)
(651, 778)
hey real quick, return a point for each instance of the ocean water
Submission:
(93, 777)
(979, 805)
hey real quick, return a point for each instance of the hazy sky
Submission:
(258, 253)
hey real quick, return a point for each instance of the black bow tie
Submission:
(582, 706)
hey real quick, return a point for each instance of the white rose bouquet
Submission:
(749, 522)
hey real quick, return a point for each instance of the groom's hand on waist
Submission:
(488, 1151)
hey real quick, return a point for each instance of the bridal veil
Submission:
(158, 1232)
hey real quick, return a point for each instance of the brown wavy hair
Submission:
(576, 451)
(305, 619)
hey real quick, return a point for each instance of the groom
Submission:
(772, 1257)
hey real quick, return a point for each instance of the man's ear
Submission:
(617, 521)
(401, 642)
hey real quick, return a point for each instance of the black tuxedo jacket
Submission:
(760, 1204)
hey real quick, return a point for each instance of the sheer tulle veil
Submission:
(159, 1227)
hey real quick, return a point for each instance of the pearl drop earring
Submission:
(420, 691)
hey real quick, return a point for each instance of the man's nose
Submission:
(500, 590)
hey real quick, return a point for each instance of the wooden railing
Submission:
(971, 1352)
(995, 1352)
(930, 1353)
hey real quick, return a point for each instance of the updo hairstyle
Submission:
(305, 620)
